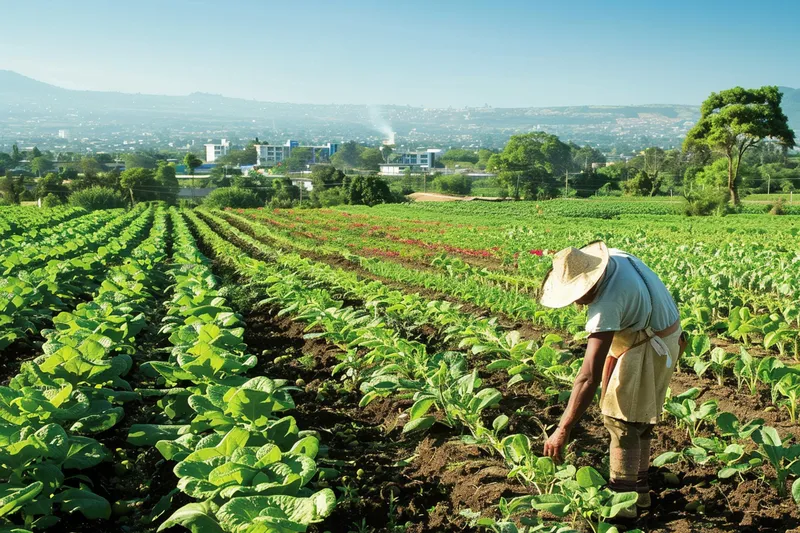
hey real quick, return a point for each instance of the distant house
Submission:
(270, 155)
(398, 169)
(215, 151)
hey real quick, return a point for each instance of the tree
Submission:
(10, 188)
(90, 168)
(192, 162)
(298, 159)
(652, 161)
(326, 176)
(453, 184)
(16, 156)
(237, 158)
(167, 182)
(735, 120)
(41, 165)
(459, 155)
(348, 155)
(483, 157)
(139, 160)
(531, 164)
(584, 156)
(371, 159)
(368, 190)
(5, 162)
(53, 184)
(35, 153)
(137, 178)
(221, 176)
(639, 184)
(323, 178)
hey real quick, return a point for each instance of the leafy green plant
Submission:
(582, 497)
(688, 414)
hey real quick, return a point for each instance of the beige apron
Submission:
(636, 377)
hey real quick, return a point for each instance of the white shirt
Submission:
(623, 301)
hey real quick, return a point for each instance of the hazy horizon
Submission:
(451, 54)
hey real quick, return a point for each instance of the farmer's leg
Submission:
(642, 483)
(624, 454)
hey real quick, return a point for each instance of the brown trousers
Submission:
(629, 457)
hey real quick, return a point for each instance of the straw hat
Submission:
(574, 273)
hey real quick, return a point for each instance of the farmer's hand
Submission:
(555, 444)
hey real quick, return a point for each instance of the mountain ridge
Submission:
(39, 109)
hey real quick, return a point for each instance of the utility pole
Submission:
(768, 182)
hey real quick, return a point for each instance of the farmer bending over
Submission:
(634, 344)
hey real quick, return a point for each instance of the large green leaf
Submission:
(196, 517)
(555, 504)
(587, 477)
(240, 513)
(618, 502)
(13, 497)
(420, 424)
(150, 434)
(84, 501)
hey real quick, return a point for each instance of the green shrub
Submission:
(97, 198)
(51, 200)
(453, 184)
(231, 197)
(710, 201)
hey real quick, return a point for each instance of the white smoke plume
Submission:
(380, 123)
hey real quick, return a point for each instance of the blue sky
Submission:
(435, 53)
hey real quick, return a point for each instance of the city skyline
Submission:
(452, 54)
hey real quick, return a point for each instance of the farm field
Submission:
(377, 369)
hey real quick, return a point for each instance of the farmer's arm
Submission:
(583, 391)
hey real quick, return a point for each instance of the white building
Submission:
(215, 151)
(63, 134)
(269, 155)
(398, 169)
(425, 159)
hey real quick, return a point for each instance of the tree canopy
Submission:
(734, 120)
(531, 164)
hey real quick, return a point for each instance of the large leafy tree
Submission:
(531, 164)
(51, 183)
(299, 159)
(348, 155)
(41, 165)
(371, 159)
(140, 160)
(139, 180)
(167, 182)
(368, 190)
(192, 162)
(735, 120)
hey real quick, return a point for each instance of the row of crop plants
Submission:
(747, 293)
(520, 359)
(74, 390)
(29, 298)
(771, 370)
(444, 388)
(459, 281)
(17, 220)
(43, 237)
(244, 465)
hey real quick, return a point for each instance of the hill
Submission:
(32, 108)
